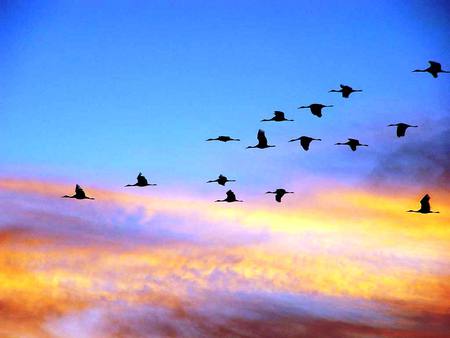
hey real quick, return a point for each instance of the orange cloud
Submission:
(325, 247)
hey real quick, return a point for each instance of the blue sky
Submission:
(95, 92)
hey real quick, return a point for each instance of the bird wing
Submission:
(435, 65)
(262, 137)
(278, 114)
(401, 129)
(231, 195)
(141, 179)
(425, 203)
(304, 142)
(79, 191)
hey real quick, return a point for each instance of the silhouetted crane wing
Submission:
(435, 65)
(425, 204)
(231, 195)
(279, 114)
(79, 192)
(304, 142)
(142, 180)
(262, 140)
(401, 129)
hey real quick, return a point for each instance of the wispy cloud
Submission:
(132, 265)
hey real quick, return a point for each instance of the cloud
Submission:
(132, 265)
(423, 162)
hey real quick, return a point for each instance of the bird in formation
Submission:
(425, 207)
(223, 139)
(231, 197)
(141, 182)
(221, 180)
(79, 194)
(401, 128)
(434, 69)
(345, 90)
(305, 141)
(279, 193)
(352, 143)
(262, 141)
(278, 116)
(316, 108)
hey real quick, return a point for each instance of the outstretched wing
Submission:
(279, 114)
(141, 179)
(262, 137)
(425, 204)
(79, 192)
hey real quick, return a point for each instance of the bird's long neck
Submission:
(251, 147)
(420, 70)
(335, 91)
(265, 120)
(131, 185)
(67, 196)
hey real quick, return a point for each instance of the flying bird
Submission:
(141, 182)
(316, 108)
(79, 194)
(279, 193)
(278, 116)
(352, 143)
(305, 141)
(401, 128)
(434, 69)
(221, 180)
(425, 207)
(223, 139)
(231, 197)
(345, 90)
(262, 141)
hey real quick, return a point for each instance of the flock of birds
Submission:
(316, 109)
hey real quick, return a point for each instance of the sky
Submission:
(93, 92)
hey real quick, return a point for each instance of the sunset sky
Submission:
(93, 92)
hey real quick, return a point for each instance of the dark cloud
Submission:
(419, 162)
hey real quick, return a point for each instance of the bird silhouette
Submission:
(352, 143)
(305, 141)
(79, 194)
(221, 180)
(425, 207)
(141, 182)
(316, 108)
(231, 197)
(279, 193)
(345, 90)
(401, 128)
(434, 69)
(223, 139)
(262, 141)
(278, 116)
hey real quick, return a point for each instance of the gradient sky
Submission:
(92, 92)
